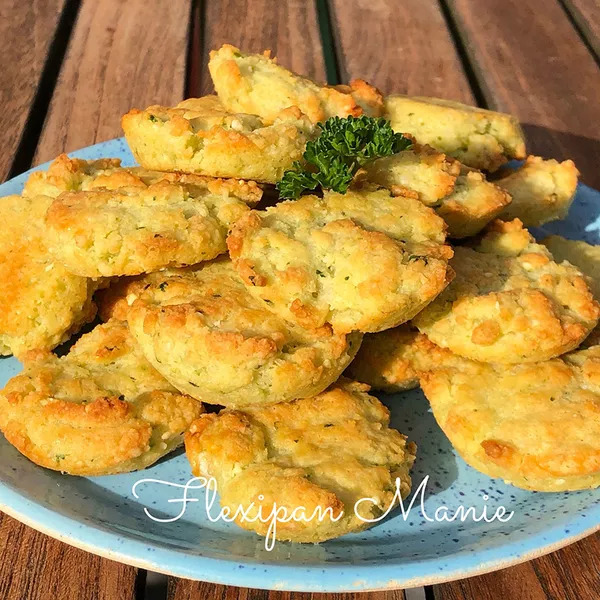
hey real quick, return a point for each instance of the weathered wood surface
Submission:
(586, 14)
(36, 567)
(400, 47)
(26, 33)
(531, 62)
(573, 572)
(122, 54)
(181, 589)
(289, 29)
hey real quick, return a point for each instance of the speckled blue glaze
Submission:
(101, 515)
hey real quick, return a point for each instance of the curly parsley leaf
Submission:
(343, 146)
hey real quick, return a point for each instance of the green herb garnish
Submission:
(342, 148)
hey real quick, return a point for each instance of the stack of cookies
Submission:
(229, 324)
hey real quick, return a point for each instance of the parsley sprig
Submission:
(342, 148)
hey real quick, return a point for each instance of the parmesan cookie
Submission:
(461, 196)
(421, 172)
(162, 221)
(71, 175)
(212, 339)
(42, 304)
(537, 426)
(363, 260)
(77, 175)
(482, 139)
(473, 203)
(510, 301)
(323, 453)
(257, 84)
(541, 190)
(101, 409)
(583, 256)
(200, 136)
(392, 360)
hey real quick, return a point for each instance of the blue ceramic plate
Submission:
(103, 516)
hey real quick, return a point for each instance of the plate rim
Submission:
(365, 577)
(259, 581)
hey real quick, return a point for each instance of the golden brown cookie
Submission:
(580, 254)
(462, 196)
(541, 190)
(212, 339)
(510, 301)
(200, 136)
(421, 172)
(392, 360)
(100, 409)
(364, 260)
(473, 203)
(67, 174)
(257, 84)
(42, 304)
(482, 139)
(535, 425)
(152, 222)
(325, 452)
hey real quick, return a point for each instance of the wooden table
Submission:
(71, 68)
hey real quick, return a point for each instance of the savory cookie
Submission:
(67, 174)
(472, 204)
(212, 339)
(200, 136)
(41, 304)
(535, 425)
(163, 221)
(541, 190)
(100, 409)
(421, 172)
(364, 260)
(482, 139)
(462, 196)
(257, 84)
(78, 175)
(323, 453)
(584, 256)
(392, 360)
(510, 301)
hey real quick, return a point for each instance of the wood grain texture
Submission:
(288, 28)
(122, 54)
(181, 589)
(531, 62)
(586, 14)
(36, 567)
(402, 47)
(573, 572)
(26, 32)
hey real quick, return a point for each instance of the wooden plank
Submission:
(586, 13)
(573, 572)
(400, 47)
(182, 589)
(36, 567)
(287, 27)
(532, 63)
(122, 54)
(26, 32)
